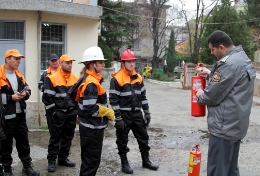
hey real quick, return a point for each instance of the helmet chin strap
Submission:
(95, 67)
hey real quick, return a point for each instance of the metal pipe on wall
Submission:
(39, 22)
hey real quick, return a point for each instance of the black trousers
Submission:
(223, 157)
(61, 135)
(50, 122)
(16, 128)
(134, 121)
(91, 142)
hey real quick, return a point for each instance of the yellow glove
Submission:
(104, 111)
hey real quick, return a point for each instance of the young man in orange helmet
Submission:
(127, 97)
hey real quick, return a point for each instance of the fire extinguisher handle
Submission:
(197, 147)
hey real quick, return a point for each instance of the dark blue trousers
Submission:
(133, 121)
(223, 157)
(61, 134)
(16, 128)
(91, 142)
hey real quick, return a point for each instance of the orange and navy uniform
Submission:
(6, 93)
(91, 93)
(46, 73)
(127, 92)
(55, 95)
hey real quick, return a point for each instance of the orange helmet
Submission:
(127, 55)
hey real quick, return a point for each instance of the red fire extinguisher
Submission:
(197, 82)
(194, 162)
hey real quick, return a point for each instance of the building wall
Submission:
(81, 34)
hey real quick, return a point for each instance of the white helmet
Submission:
(92, 54)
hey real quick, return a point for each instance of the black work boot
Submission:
(28, 170)
(8, 171)
(147, 163)
(66, 162)
(51, 166)
(125, 165)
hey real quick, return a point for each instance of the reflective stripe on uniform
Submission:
(4, 100)
(115, 107)
(50, 106)
(137, 92)
(11, 116)
(92, 126)
(80, 106)
(126, 93)
(113, 91)
(95, 114)
(126, 109)
(51, 92)
(144, 102)
(60, 94)
(89, 102)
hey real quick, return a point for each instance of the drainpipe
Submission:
(39, 22)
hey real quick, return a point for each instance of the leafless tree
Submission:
(202, 11)
(154, 28)
(150, 21)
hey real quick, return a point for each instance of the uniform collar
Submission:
(95, 75)
(65, 75)
(127, 73)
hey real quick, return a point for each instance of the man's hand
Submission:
(18, 96)
(120, 124)
(147, 117)
(199, 92)
(202, 71)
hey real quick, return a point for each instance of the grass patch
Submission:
(167, 77)
(45, 128)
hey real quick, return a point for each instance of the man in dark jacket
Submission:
(229, 97)
(14, 93)
(127, 96)
(54, 65)
(62, 111)
(2, 134)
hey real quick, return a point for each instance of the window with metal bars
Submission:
(11, 30)
(52, 41)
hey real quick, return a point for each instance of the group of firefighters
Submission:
(67, 98)
(228, 96)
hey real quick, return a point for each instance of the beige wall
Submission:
(31, 54)
(81, 34)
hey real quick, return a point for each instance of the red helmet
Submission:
(127, 55)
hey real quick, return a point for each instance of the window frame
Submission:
(45, 55)
(15, 21)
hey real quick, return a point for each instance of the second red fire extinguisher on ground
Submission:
(197, 82)
(195, 161)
